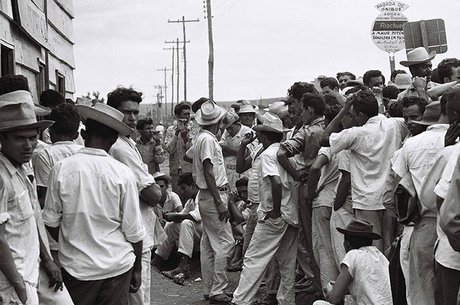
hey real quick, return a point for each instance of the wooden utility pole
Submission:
(183, 21)
(211, 51)
(166, 87)
(172, 78)
(176, 42)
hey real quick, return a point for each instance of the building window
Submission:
(41, 78)
(7, 61)
(60, 83)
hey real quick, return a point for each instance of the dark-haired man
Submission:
(178, 140)
(101, 251)
(50, 98)
(127, 101)
(146, 144)
(343, 78)
(371, 142)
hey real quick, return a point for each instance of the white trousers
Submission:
(404, 257)
(340, 219)
(142, 296)
(216, 245)
(47, 295)
(272, 238)
(186, 235)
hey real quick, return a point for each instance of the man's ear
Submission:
(83, 133)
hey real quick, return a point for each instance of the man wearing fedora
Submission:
(210, 177)
(247, 114)
(412, 162)
(234, 132)
(363, 271)
(275, 235)
(127, 100)
(23, 240)
(92, 210)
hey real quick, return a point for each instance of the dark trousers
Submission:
(447, 285)
(111, 291)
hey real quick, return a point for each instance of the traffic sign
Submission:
(387, 29)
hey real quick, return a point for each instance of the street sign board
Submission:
(387, 29)
(430, 34)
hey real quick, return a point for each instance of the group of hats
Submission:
(18, 112)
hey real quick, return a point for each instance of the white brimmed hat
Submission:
(17, 112)
(106, 115)
(270, 122)
(402, 81)
(209, 113)
(247, 109)
(417, 56)
(278, 108)
(229, 118)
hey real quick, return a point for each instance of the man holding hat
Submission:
(363, 271)
(210, 177)
(22, 239)
(230, 143)
(412, 162)
(275, 235)
(92, 210)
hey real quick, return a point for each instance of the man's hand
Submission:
(233, 197)
(301, 175)
(452, 134)
(54, 273)
(21, 291)
(419, 83)
(248, 138)
(172, 217)
(349, 102)
(136, 281)
(273, 214)
(224, 215)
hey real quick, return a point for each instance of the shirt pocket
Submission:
(23, 209)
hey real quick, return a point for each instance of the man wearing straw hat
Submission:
(22, 239)
(209, 174)
(92, 210)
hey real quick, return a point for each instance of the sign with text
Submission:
(430, 34)
(387, 29)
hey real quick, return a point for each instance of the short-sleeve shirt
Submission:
(46, 158)
(253, 177)
(328, 180)
(371, 147)
(371, 278)
(17, 212)
(449, 214)
(443, 185)
(95, 201)
(269, 166)
(172, 202)
(233, 142)
(191, 208)
(206, 147)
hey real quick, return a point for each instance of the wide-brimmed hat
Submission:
(431, 114)
(270, 122)
(209, 113)
(247, 109)
(229, 118)
(402, 81)
(278, 108)
(417, 56)
(360, 228)
(17, 112)
(105, 115)
(161, 176)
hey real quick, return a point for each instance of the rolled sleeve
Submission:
(342, 140)
(399, 162)
(52, 211)
(295, 145)
(268, 166)
(42, 167)
(349, 261)
(131, 224)
(207, 149)
(4, 215)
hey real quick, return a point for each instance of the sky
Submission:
(261, 47)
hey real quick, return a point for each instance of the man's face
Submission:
(247, 119)
(147, 131)
(242, 192)
(455, 74)
(156, 136)
(307, 115)
(184, 115)
(410, 114)
(233, 129)
(453, 111)
(163, 186)
(376, 82)
(327, 90)
(188, 191)
(343, 80)
(348, 120)
(357, 118)
(18, 146)
(131, 111)
(421, 70)
(294, 114)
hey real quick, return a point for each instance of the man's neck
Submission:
(144, 140)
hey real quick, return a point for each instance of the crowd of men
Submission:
(347, 190)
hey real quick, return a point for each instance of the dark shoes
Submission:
(220, 299)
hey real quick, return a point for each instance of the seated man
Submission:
(169, 201)
(183, 228)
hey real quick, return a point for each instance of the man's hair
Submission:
(66, 119)
(414, 100)
(300, 88)
(51, 98)
(122, 94)
(390, 92)
(10, 83)
(351, 75)
(371, 74)
(365, 102)
(162, 178)
(354, 89)
(445, 68)
(396, 72)
(330, 82)
(443, 104)
(143, 122)
(357, 242)
(330, 100)
(331, 111)
(395, 109)
(273, 137)
(181, 106)
(243, 181)
(315, 101)
(94, 128)
(186, 179)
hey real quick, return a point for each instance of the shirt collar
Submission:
(208, 132)
(316, 121)
(12, 170)
(63, 143)
(438, 127)
(376, 118)
(127, 140)
(93, 151)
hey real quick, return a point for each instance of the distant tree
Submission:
(95, 97)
